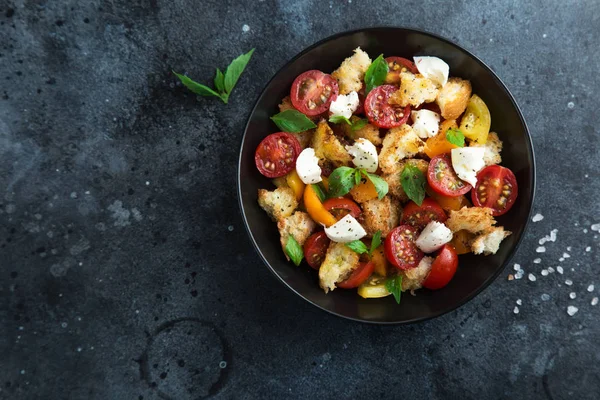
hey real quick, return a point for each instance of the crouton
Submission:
(286, 104)
(453, 98)
(412, 279)
(381, 215)
(350, 75)
(472, 219)
(279, 203)
(369, 132)
(414, 90)
(489, 241)
(300, 225)
(279, 182)
(493, 147)
(304, 137)
(339, 263)
(328, 147)
(393, 178)
(399, 143)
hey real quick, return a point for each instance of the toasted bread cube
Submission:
(412, 279)
(369, 132)
(328, 147)
(286, 104)
(300, 225)
(472, 219)
(493, 147)
(279, 203)
(393, 178)
(350, 75)
(489, 241)
(399, 143)
(453, 97)
(381, 215)
(414, 90)
(339, 263)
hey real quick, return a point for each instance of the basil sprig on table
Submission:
(413, 183)
(294, 250)
(456, 137)
(292, 121)
(359, 247)
(394, 286)
(376, 73)
(343, 179)
(358, 124)
(224, 82)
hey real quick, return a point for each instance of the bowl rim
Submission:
(529, 141)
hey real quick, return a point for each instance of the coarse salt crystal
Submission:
(544, 272)
(245, 28)
(537, 261)
(519, 302)
(594, 301)
(540, 249)
(588, 249)
(549, 238)
(516, 310)
(519, 274)
(516, 267)
(585, 230)
(595, 227)
(559, 269)
(568, 282)
(572, 310)
(566, 255)
(569, 248)
(572, 295)
(561, 259)
(550, 269)
(531, 277)
(545, 297)
(537, 217)
(590, 288)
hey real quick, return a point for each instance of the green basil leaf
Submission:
(361, 123)
(456, 137)
(394, 286)
(375, 74)
(338, 119)
(341, 181)
(292, 121)
(381, 186)
(413, 183)
(235, 69)
(357, 246)
(220, 81)
(319, 192)
(294, 250)
(198, 88)
(357, 177)
(375, 242)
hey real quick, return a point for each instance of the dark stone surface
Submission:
(125, 269)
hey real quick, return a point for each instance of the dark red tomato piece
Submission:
(341, 206)
(276, 155)
(361, 101)
(496, 188)
(442, 178)
(315, 249)
(396, 66)
(419, 217)
(443, 268)
(382, 114)
(358, 276)
(400, 248)
(431, 107)
(313, 91)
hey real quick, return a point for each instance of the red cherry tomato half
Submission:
(382, 114)
(496, 188)
(442, 178)
(443, 268)
(358, 276)
(313, 91)
(419, 217)
(276, 155)
(315, 249)
(396, 66)
(341, 206)
(400, 248)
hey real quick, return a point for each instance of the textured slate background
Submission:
(126, 272)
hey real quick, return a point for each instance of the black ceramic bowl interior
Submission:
(475, 272)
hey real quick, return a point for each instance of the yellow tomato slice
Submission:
(439, 144)
(364, 191)
(378, 258)
(294, 182)
(373, 288)
(315, 208)
(461, 241)
(446, 202)
(476, 121)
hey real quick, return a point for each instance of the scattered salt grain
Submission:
(588, 249)
(572, 295)
(544, 272)
(545, 297)
(549, 238)
(595, 227)
(540, 249)
(594, 301)
(245, 28)
(516, 310)
(559, 269)
(570, 104)
(516, 267)
(569, 248)
(537, 217)
(572, 310)
(566, 255)
(519, 274)
(561, 259)
(519, 302)
(568, 282)
(550, 269)
(585, 230)
(537, 261)
(590, 288)
(532, 277)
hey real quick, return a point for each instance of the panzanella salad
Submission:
(385, 172)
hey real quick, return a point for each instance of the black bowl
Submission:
(475, 272)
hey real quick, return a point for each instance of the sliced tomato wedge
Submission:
(397, 65)
(400, 248)
(420, 216)
(443, 268)
(496, 188)
(358, 276)
(276, 155)
(382, 114)
(313, 91)
(341, 206)
(315, 249)
(442, 178)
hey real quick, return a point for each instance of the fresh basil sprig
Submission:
(394, 286)
(319, 192)
(359, 247)
(361, 123)
(375, 74)
(358, 124)
(224, 82)
(413, 183)
(456, 137)
(343, 179)
(292, 121)
(338, 119)
(294, 250)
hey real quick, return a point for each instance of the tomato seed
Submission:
(379, 97)
(505, 187)
(506, 193)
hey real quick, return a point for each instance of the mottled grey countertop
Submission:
(126, 272)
